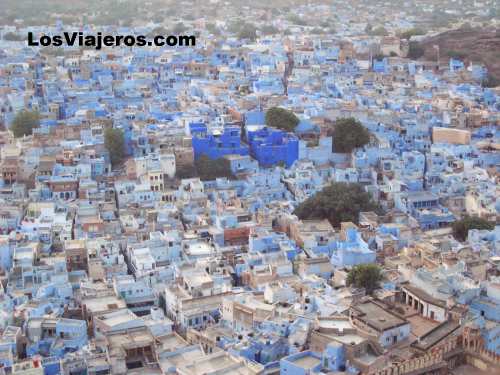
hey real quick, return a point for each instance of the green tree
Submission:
(235, 26)
(247, 31)
(281, 118)
(379, 31)
(13, 37)
(412, 32)
(269, 30)
(459, 55)
(24, 123)
(366, 276)
(318, 30)
(212, 29)
(491, 81)
(210, 169)
(179, 28)
(348, 134)
(415, 50)
(186, 171)
(297, 20)
(114, 140)
(461, 227)
(338, 202)
(158, 30)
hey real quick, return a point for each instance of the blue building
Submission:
(218, 142)
(380, 66)
(424, 206)
(272, 147)
(242, 164)
(353, 251)
(55, 337)
(456, 65)
(303, 363)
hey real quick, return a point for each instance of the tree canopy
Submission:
(24, 123)
(407, 34)
(379, 31)
(10, 36)
(210, 169)
(213, 29)
(114, 141)
(348, 134)
(415, 50)
(459, 55)
(247, 31)
(365, 276)
(269, 30)
(491, 81)
(297, 20)
(461, 227)
(179, 28)
(338, 202)
(206, 169)
(281, 118)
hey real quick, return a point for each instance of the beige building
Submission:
(454, 136)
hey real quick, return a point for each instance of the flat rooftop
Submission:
(181, 359)
(348, 339)
(338, 324)
(436, 335)
(377, 317)
(171, 342)
(306, 362)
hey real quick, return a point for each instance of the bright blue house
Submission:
(217, 142)
(273, 147)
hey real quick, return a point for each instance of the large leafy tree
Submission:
(461, 227)
(179, 28)
(13, 37)
(206, 169)
(379, 31)
(348, 134)
(24, 123)
(415, 50)
(365, 276)
(210, 169)
(281, 118)
(412, 32)
(338, 202)
(114, 140)
(247, 31)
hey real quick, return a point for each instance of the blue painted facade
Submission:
(216, 144)
(272, 147)
(303, 363)
(381, 66)
(353, 251)
(57, 338)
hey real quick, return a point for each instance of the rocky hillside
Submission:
(469, 44)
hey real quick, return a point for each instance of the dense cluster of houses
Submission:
(133, 270)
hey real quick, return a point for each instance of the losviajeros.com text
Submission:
(98, 40)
